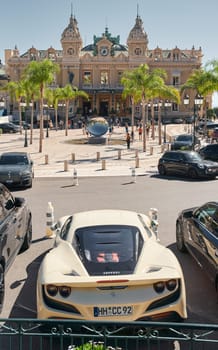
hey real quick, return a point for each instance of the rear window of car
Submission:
(113, 243)
(16, 159)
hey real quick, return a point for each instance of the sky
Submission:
(168, 23)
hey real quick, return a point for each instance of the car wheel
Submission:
(28, 237)
(180, 238)
(162, 170)
(192, 173)
(2, 287)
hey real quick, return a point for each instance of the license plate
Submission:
(112, 311)
(9, 181)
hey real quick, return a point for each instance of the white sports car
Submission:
(109, 265)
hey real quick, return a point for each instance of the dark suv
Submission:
(185, 142)
(210, 152)
(187, 163)
(9, 128)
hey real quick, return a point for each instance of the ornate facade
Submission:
(97, 68)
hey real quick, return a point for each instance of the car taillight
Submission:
(159, 287)
(171, 284)
(64, 291)
(52, 290)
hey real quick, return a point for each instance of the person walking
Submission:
(128, 138)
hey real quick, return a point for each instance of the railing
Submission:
(33, 334)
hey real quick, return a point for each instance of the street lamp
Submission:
(198, 101)
(23, 105)
(167, 104)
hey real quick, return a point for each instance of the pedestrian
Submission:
(128, 139)
(140, 132)
(132, 135)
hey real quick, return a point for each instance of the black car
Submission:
(16, 169)
(9, 128)
(209, 152)
(15, 229)
(187, 163)
(197, 233)
(185, 142)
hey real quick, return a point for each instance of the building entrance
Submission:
(86, 108)
(103, 109)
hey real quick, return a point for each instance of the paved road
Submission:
(169, 195)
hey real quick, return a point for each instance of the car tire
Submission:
(180, 238)
(192, 173)
(28, 237)
(162, 170)
(2, 287)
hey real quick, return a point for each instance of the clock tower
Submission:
(72, 44)
(137, 40)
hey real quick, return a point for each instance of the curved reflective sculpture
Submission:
(97, 126)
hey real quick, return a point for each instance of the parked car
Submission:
(185, 142)
(206, 129)
(16, 169)
(109, 265)
(187, 163)
(9, 128)
(24, 124)
(214, 134)
(209, 152)
(197, 233)
(16, 232)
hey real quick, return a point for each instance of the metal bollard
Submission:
(65, 165)
(103, 166)
(137, 162)
(75, 178)
(133, 175)
(49, 220)
(73, 157)
(151, 150)
(98, 156)
(46, 159)
(119, 154)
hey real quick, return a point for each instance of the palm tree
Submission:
(16, 91)
(69, 93)
(146, 83)
(166, 93)
(130, 90)
(32, 94)
(41, 74)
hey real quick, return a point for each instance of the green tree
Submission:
(164, 92)
(69, 93)
(130, 90)
(41, 74)
(32, 95)
(203, 82)
(146, 83)
(17, 93)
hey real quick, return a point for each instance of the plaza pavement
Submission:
(72, 156)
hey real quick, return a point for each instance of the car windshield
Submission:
(109, 247)
(13, 159)
(184, 138)
(193, 157)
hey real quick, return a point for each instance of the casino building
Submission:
(97, 68)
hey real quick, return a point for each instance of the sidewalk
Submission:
(68, 156)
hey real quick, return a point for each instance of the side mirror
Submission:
(153, 214)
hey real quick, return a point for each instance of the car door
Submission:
(203, 230)
(179, 165)
(10, 241)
